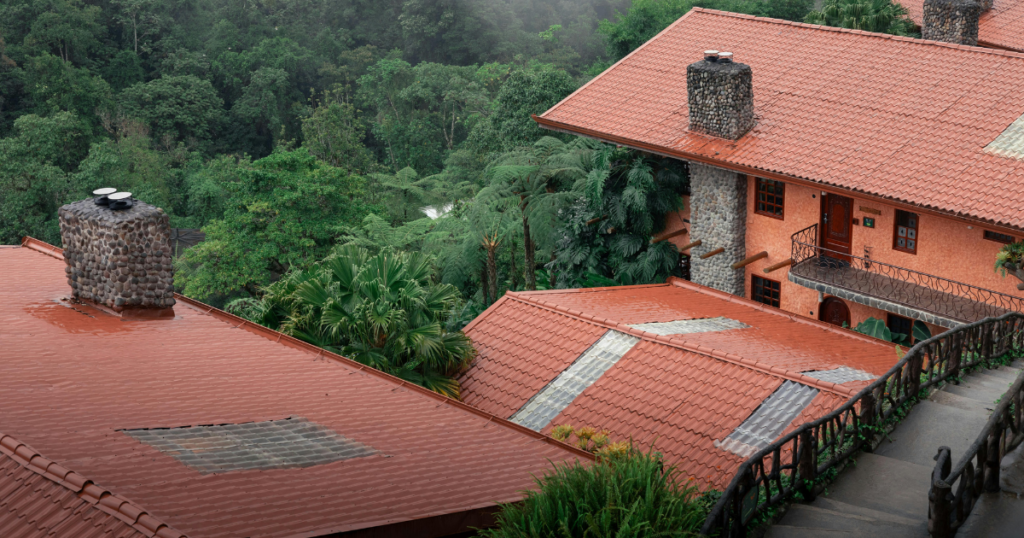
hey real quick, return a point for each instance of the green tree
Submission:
(68, 29)
(626, 493)
(608, 231)
(408, 193)
(883, 16)
(527, 91)
(183, 108)
(54, 85)
(333, 133)
(35, 179)
(381, 310)
(284, 211)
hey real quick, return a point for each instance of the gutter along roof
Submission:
(894, 118)
(1000, 27)
(175, 416)
(688, 394)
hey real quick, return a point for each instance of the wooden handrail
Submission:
(661, 238)
(779, 265)
(747, 261)
(707, 255)
(688, 246)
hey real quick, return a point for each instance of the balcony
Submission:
(901, 291)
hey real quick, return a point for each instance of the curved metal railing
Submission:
(897, 284)
(793, 463)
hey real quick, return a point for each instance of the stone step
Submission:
(995, 376)
(983, 391)
(930, 425)
(886, 485)
(839, 517)
(960, 402)
(786, 531)
(996, 515)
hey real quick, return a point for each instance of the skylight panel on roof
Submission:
(1009, 143)
(843, 374)
(688, 326)
(769, 420)
(274, 444)
(569, 384)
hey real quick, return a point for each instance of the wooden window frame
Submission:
(914, 231)
(770, 207)
(998, 237)
(754, 279)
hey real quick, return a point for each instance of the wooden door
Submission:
(837, 225)
(834, 311)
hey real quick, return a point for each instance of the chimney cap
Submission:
(104, 191)
(120, 195)
(725, 56)
(711, 55)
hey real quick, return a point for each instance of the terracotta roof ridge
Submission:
(295, 343)
(528, 293)
(766, 368)
(87, 490)
(877, 35)
(847, 333)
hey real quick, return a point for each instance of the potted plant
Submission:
(1011, 258)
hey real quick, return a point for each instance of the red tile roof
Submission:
(72, 377)
(897, 118)
(680, 392)
(39, 498)
(1000, 27)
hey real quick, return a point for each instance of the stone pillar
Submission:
(120, 259)
(952, 21)
(720, 95)
(718, 217)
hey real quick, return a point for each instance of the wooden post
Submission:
(992, 461)
(661, 238)
(779, 265)
(747, 261)
(707, 255)
(807, 467)
(688, 246)
(939, 505)
(867, 418)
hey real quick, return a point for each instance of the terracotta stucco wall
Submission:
(946, 248)
(677, 221)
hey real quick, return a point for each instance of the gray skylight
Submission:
(688, 326)
(843, 374)
(769, 420)
(569, 384)
(275, 444)
(1010, 143)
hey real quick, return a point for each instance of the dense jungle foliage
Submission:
(292, 131)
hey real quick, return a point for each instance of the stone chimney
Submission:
(118, 255)
(721, 96)
(952, 21)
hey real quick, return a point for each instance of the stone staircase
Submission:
(885, 493)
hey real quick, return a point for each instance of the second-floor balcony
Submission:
(898, 290)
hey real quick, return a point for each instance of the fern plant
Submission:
(883, 16)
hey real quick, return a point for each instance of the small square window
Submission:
(900, 325)
(771, 196)
(998, 237)
(905, 236)
(765, 291)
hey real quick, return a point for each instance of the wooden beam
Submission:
(661, 238)
(779, 265)
(1020, 286)
(718, 250)
(745, 262)
(690, 245)
(598, 219)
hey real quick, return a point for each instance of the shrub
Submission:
(628, 495)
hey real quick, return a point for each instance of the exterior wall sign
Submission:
(870, 210)
(869, 222)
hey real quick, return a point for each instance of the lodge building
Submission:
(836, 174)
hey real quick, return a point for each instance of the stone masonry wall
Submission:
(952, 21)
(721, 98)
(120, 259)
(718, 217)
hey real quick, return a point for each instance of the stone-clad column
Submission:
(952, 21)
(718, 217)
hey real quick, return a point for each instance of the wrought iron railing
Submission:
(955, 300)
(947, 511)
(793, 463)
